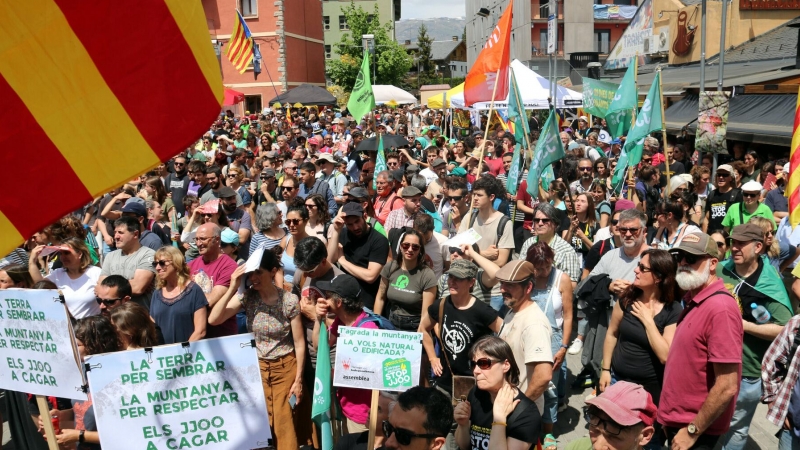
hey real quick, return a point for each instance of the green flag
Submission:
(380, 162)
(647, 121)
(548, 150)
(626, 96)
(362, 99)
(517, 117)
(597, 96)
(619, 122)
(321, 409)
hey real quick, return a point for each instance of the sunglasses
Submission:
(403, 437)
(231, 175)
(408, 245)
(292, 222)
(689, 258)
(107, 301)
(614, 222)
(585, 169)
(643, 268)
(312, 206)
(287, 188)
(161, 263)
(483, 363)
(720, 244)
(749, 195)
(207, 216)
(633, 231)
(540, 220)
(178, 164)
(455, 198)
(722, 175)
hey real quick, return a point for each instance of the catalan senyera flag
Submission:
(792, 190)
(240, 47)
(94, 94)
(494, 57)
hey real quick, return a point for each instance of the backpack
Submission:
(501, 224)
(382, 322)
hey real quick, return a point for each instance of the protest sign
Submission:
(205, 394)
(36, 345)
(383, 360)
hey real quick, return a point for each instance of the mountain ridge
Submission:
(440, 29)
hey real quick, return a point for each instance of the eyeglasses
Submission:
(609, 426)
(688, 257)
(585, 169)
(231, 175)
(287, 188)
(482, 363)
(402, 436)
(540, 220)
(632, 231)
(455, 198)
(720, 244)
(749, 195)
(643, 268)
(311, 206)
(408, 245)
(207, 216)
(292, 222)
(107, 301)
(614, 222)
(722, 175)
(647, 160)
(161, 263)
(178, 164)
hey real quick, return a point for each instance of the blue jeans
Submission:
(746, 403)
(788, 441)
(496, 302)
(550, 414)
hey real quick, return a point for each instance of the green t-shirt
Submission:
(732, 217)
(584, 443)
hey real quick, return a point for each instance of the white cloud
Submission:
(427, 9)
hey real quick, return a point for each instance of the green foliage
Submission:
(392, 60)
(425, 56)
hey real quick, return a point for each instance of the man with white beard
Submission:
(701, 379)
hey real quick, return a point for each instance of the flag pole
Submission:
(633, 119)
(663, 127)
(486, 134)
(524, 116)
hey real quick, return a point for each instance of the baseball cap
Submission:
(344, 285)
(616, 141)
(462, 268)
(573, 145)
(272, 154)
(725, 168)
(327, 157)
(135, 208)
(604, 137)
(583, 118)
(477, 134)
(515, 271)
(412, 168)
(747, 232)
(353, 209)
(313, 140)
(410, 191)
(229, 236)
(434, 128)
(268, 172)
(438, 162)
(698, 244)
(458, 172)
(226, 192)
(675, 183)
(626, 404)
(358, 192)
(752, 186)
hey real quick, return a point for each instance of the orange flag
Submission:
(793, 184)
(94, 94)
(493, 58)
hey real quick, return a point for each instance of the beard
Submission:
(689, 280)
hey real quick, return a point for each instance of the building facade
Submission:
(290, 36)
(334, 24)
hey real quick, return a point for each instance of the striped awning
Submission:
(94, 93)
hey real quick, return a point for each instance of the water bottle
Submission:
(760, 313)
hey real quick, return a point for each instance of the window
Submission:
(326, 22)
(343, 23)
(327, 52)
(248, 8)
(253, 103)
(370, 18)
(602, 41)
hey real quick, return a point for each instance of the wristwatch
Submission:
(81, 437)
(692, 429)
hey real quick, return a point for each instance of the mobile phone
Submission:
(292, 401)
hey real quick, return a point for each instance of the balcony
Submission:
(539, 10)
(539, 48)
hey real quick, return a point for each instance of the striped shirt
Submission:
(566, 260)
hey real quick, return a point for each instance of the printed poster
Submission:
(382, 360)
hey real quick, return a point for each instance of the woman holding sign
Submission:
(273, 316)
(494, 403)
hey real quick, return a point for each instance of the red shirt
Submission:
(522, 194)
(210, 275)
(709, 331)
(384, 205)
(495, 166)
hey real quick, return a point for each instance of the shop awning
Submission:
(763, 119)
(681, 113)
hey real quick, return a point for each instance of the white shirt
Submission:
(438, 252)
(78, 293)
(429, 175)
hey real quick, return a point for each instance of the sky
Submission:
(427, 9)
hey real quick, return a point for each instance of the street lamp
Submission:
(368, 41)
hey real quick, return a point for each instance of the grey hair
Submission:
(651, 142)
(385, 174)
(633, 214)
(419, 182)
(216, 231)
(266, 215)
(548, 210)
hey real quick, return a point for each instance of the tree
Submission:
(424, 56)
(390, 60)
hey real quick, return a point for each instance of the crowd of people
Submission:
(677, 286)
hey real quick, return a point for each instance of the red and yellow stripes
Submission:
(94, 94)
(793, 185)
(240, 46)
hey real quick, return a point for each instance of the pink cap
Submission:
(623, 204)
(314, 140)
(627, 404)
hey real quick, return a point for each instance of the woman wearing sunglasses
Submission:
(642, 326)
(296, 220)
(408, 285)
(234, 180)
(495, 403)
(671, 228)
(319, 219)
(178, 306)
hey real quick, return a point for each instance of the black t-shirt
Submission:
(460, 329)
(676, 168)
(178, 186)
(355, 441)
(524, 423)
(633, 358)
(361, 251)
(597, 251)
(717, 205)
(577, 243)
(563, 221)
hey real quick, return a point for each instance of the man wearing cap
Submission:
(740, 213)
(360, 250)
(404, 217)
(334, 178)
(753, 284)
(701, 380)
(615, 149)
(387, 199)
(131, 260)
(621, 418)
(527, 330)
(239, 219)
(463, 319)
(212, 271)
(721, 198)
(137, 210)
(309, 184)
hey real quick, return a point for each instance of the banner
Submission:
(597, 96)
(712, 122)
(205, 394)
(491, 66)
(382, 360)
(38, 355)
